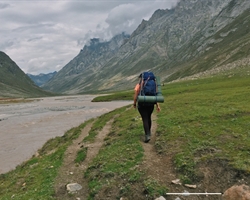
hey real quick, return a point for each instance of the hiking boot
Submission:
(147, 138)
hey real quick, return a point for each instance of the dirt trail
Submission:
(160, 167)
(70, 172)
(157, 166)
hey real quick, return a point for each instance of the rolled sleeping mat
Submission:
(158, 83)
(150, 99)
(153, 99)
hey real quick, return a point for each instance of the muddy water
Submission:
(25, 127)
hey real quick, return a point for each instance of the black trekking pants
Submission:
(146, 112)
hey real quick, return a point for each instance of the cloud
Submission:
(43, 36)
(4, 5)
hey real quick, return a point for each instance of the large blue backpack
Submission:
(150, 90)
(148, 87)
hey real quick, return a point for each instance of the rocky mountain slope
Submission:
(193, 37)
(14, 82)
(86, 66)
(41, 79)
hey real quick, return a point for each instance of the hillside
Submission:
(85, 66)
(200, 137)
(14, 82)
(191, 38)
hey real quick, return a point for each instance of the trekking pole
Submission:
(188, 194)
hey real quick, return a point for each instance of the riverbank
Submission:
(25, 127)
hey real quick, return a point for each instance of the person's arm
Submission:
(137, 90)
(135, 96)
(158, 107)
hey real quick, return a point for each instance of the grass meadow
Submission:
(202, 119)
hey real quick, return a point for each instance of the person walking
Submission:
(145, 109)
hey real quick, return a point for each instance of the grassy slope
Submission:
(209, 116)
(15, 83)
(201, 120)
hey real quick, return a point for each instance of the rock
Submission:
(37, 154)
(160, 198)
(73, 187)
(239, 192)
(176, 181)
(190, 186)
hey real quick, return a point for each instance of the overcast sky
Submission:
(42, 36)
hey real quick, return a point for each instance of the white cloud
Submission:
(43, 36)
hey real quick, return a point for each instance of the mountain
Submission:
(194, 37)
(83, 68)
(14, 82)
(41, 79)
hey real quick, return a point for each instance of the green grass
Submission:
(118, 158)
(81, 155)
(210, 118)
(206, 119)
(201, 120)
(124, 95)
(100, 123)
(153, 188)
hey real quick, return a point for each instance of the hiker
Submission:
(145, 109)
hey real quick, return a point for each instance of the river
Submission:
(25, 127)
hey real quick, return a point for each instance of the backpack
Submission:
(148, 86)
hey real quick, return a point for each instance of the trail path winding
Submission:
(157, 166)
(72, 173)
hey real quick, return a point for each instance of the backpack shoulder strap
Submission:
(141, 84)
(156, 85)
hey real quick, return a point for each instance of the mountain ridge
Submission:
(185, 41)
(169, 43)
(71, 74)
